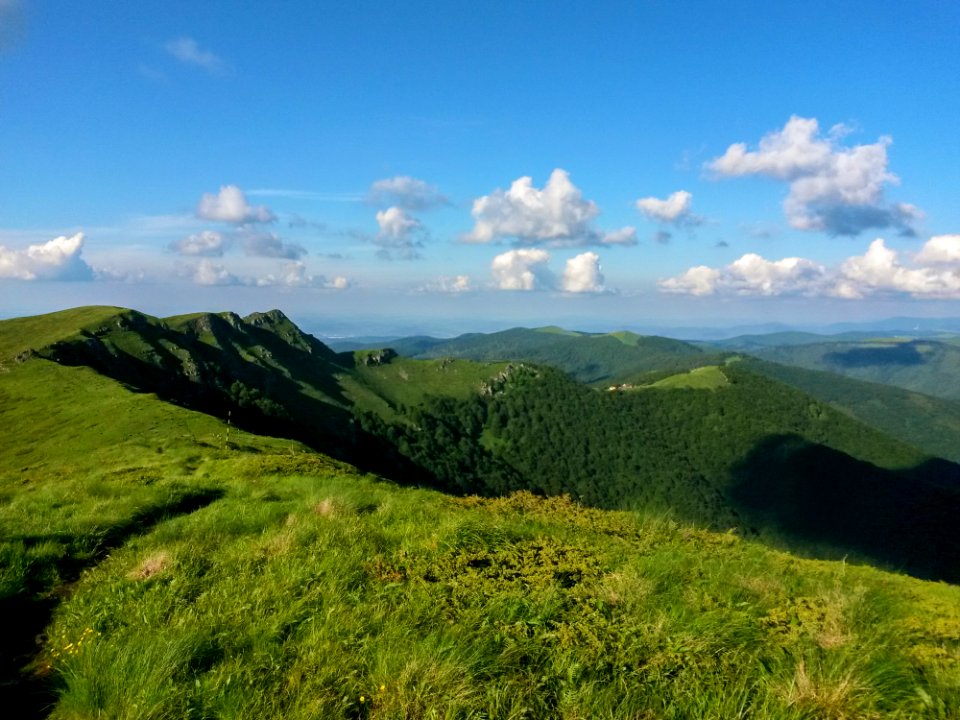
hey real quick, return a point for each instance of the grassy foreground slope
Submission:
(173, 567)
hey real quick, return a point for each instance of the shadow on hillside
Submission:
(905, 354)
(26, 691)
(248, 373)
(825, 503)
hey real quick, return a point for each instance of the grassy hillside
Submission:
(925, 366)
(929, 423)
(156, 562)
(243, 577)
(746, 452)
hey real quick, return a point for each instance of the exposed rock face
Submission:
(379, 357)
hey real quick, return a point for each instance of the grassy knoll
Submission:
(709, 377)
(185, 570)
(324, 594)
(85, 465)
(381, 387)
(155, 562)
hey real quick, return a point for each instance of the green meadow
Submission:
(158, 562)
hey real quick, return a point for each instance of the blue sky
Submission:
(469, 165)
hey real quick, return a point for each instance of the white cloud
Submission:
(291, 275)
(270, 245)
(582, 274)
(699, 280)
(295, 275)
(57, 259)
(207, 272)
(208, 243)
(751, 275)
(556, 215)
(940, 249)
(879, 270)
(935, 273)
(186, 50)
(524, 269)
(832, 188)
(674, 210)
(406, 192)
(624, 236)
(400, 233)
(453, 285)
(230, 206)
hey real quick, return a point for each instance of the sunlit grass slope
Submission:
(306, 593)
(181, 569)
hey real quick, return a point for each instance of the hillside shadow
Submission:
(250, 374)
(824, 503)
(27, 692)
(903, 354)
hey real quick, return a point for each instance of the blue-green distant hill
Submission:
(588, 357)
(923, 365)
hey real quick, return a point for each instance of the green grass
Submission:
(331, 595)
(174, 567)
(401, 381)
(709, 377)
(31, 333)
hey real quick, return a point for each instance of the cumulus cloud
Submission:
(291, 275)
(557, 215)
(879, 270)
(523, 269)
(582, 274)
(269, 245)
(189, 52)
(295, 275)
(839, 190)
(934, 273)
(406, 192)
(674, 210)
(208, 243)
(750, 275)
(207, 272)
(230, 206)
(452, 285)
(940, 249)
(57, 259)
(699, 280)
(400, 234)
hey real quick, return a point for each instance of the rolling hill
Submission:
(588, 357)
(927, 366)
(156, 562)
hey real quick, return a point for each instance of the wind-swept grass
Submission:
(181, 569)
(334, 595)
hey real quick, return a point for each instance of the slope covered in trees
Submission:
(752, 454)
(928, 366)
